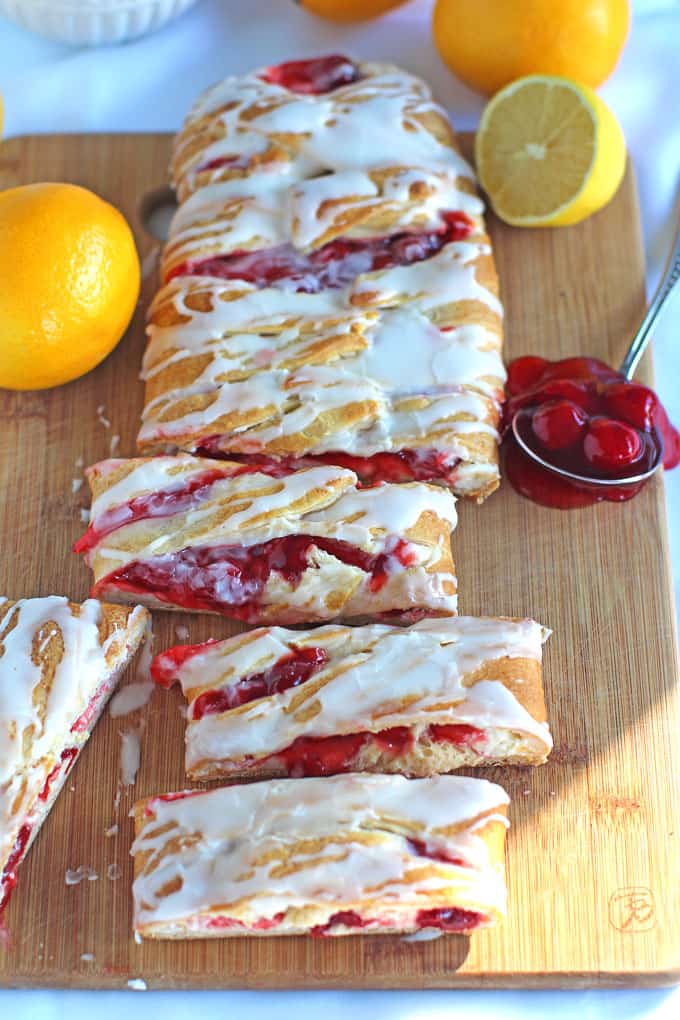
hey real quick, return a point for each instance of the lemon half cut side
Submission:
(549, 152)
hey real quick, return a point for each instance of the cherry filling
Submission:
(315, 76)
(64, 764)
(333, 265)
(406, 465)
(325, 756)
(581, 415)
(236, 162)
(320, 756)
(347, 918)
(459, 734)
(449, 919)
(8, 878)
(156, 504)
(165, 667)
(422, 849)
(232, 578)
(289, 671)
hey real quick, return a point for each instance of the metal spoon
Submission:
(637, 347)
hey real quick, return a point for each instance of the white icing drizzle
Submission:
(363, 517)
(80, 680)
(376, 677)
(220, 850)
(76, 678)
(363, 160)
(375, 121)
(252, 508)
(405, 356)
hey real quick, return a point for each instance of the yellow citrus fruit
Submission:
(70, 283)
(349, 10)
(549, 152)
(489, 43)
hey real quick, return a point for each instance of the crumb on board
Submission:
(74, 876)
(101, 415)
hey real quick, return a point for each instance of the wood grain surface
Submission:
(594, 849)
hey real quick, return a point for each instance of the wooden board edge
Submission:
(664, 978)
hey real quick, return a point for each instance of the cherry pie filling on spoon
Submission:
(583, 416)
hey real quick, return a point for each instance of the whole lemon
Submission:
(70, 282)
(489, 43)
(349, 10)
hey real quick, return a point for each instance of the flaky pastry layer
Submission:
(418, 700)
(362, 361)
(59, 662)
(328, 856)
(219, 537)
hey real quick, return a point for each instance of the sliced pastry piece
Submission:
(328, 287)
(334, 856)
(218, 537)
(59, 662)
(418, 700)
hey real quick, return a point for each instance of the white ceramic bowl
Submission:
(92, 22)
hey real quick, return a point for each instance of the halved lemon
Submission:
(549, 152)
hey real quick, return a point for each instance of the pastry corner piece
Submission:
(420, 700)
(333, 856)
(284, 547)
(328, 290)
(59, 662)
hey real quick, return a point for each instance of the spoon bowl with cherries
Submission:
(581, 431)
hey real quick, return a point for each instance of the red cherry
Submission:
(565, 389)
(587, 369)
(312, 77)
(611, 445)
(632, 403)
(558, 424)
(525, 373)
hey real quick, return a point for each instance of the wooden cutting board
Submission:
(594, 849)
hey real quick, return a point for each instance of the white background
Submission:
(148, 86)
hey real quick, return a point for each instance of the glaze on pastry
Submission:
(59, 662)
(333, 856)
(420, 700)
(328, 287)
(214, 536)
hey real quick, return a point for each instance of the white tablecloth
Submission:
(148, 85)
